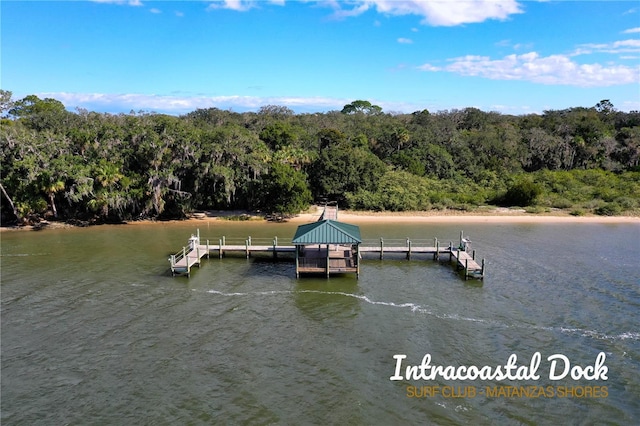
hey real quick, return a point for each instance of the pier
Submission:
(317, 258)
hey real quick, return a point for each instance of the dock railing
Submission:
(175, 258)
(199, 246)
(407, 246)
(401, 242)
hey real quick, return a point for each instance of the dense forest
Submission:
(96, 167)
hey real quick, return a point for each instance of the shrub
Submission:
(609, 209)
(626, 203)
(536, 210)
(561, 203)
(522, 193)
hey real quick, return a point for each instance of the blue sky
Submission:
(515, 57)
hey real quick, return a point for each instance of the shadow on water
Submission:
(322, 299)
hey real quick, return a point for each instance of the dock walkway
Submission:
(191, 255)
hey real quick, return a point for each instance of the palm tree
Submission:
(13, 207)
(51, 187)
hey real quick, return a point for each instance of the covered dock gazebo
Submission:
(327, 246)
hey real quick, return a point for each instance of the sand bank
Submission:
(490, 216)
(464, 217)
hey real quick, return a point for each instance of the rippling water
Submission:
(95, 330)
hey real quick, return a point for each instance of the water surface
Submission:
(95, 329)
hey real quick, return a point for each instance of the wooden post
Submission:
(466, 268)
(436, 255)
(208, 250)
(409, 251)
(328, 254)
(473, 255)
(198, 254)
(184, 256)
(275, 245)
(482, 271)
(358, 261)
(381, 248)
(220, 242)
(224, 240)
(198, 234)
(246, 247)
(461, 236)
(297, 263)
(450, 250)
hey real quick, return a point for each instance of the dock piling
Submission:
(192, 254)
(275, 246)
(466, 269)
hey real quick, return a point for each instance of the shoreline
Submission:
(492, 216)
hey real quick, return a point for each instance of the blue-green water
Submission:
(96, 331)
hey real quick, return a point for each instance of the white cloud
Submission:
(551, 70)
(177, 104)
(429, 67)
(436, 13)
(402, 40)
(621, 46)
(239, 5)
(154, 10)
(127, 2)
(630, 106)
(632, 30)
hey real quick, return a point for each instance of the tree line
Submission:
(101, 167)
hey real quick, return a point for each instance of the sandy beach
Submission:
(493, 215)
(489, 216)
(357, 217)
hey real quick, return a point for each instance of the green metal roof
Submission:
(327, 232)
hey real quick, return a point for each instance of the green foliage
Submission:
(397, 191)
(361, 107)
(284, 190)
(609, 209)
(279, 135)
(6, 103)
(402, 191)
(342, 168)
(102, 167)
(522, 193)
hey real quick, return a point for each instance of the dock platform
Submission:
(191, 255)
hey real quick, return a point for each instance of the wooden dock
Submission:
(191, 255)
